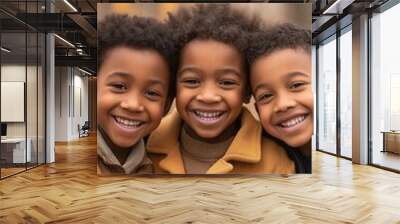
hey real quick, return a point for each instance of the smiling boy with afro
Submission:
(211, 132)
(280, 77)
(135, 83)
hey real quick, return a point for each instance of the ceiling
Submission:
(76, 22)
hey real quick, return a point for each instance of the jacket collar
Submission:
(135, 159)
(245, 147)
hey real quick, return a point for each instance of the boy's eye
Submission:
(296, 85)
(265, 97)
(152, 94)
(228, 83)
(191, 82)
(118, 87)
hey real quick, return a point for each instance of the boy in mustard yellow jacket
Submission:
(211, 132)
(280, 77)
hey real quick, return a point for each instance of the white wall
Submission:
(12, 73)
(61, 103)
(71, 94)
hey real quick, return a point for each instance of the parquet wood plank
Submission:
(69, 191)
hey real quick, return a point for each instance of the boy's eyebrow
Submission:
(128, 76)
(293, 74)
(187, 68)
(219, 71)
(154, 81)
(229, 70)
(123, 74)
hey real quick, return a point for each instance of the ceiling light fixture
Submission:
(84, 71)
(65, 41)
(70, 5)
(337, 7)
(5, 50)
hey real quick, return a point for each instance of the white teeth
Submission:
(128, 123)
(293, 122)
(208, 115)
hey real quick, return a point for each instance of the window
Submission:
(346, 92)
(385, 88)
(327, 96)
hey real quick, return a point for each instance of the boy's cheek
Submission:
(156, 112)
(184, 93)
(235, 99)
(309, 100)
(264, 112)
(183, 98)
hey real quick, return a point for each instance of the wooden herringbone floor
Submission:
(70, 192)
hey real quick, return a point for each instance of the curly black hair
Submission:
(139, 33)
(278, 37)
(218, 22)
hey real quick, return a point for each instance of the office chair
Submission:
(84, 130)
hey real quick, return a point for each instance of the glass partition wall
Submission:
(334, 94)
(385, 89)
(327, 96)
(13, 89)
(22, 88)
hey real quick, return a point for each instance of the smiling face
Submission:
(210, 87)
(281, 84)
(132, 94)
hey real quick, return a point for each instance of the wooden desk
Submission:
(391, 141)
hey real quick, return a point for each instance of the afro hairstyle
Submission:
(219, 22)
(278, 37)
(138, 33)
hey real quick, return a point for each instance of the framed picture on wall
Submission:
(204, 88)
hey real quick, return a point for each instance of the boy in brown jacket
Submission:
(211, 132)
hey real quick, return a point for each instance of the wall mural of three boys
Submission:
(174, 94)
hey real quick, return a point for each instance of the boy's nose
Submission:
(209, 96)
(132, 104)
(284, 103)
